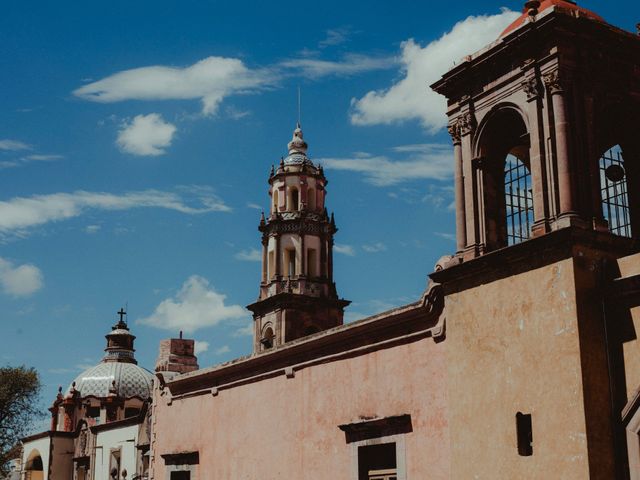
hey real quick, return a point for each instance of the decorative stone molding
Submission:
(532, 87)
(454, 131)
(553, 82)
(467, 122)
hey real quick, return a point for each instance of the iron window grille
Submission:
(613, 188)
(518, 199)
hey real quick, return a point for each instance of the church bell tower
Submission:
(297, 294)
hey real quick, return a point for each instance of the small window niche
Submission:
(377, 462)
(312, 260)
(524, 433)
(290, 262)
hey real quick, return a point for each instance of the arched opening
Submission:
(275, 201)
(614, 192)
(293, 199)
(506, 196)
(267, 339)
(34, 467)
(518, 196)
(311, 199)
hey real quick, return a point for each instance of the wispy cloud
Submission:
(251, 255)
(349, 65)
(13, 145)
(425, 161)
(20, 280)
(410, 98)
(374, 247)
(91, 229)
(19, 214)
(146, 135)
(210, 80)
(222, 350)
(245, 331)
(196, 305)
(335, 36)
(446, 236)
(27, 159)
(254, 206)
(440, 197)
(344, 250)
(200, 347)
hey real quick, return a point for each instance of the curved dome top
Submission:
(130, 381)
(566, 5)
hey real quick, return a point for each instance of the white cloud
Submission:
(196, 305)
(13, 145)
(90, 229)
(440, 196)
(344, 249)
(254, 206)
(351, 64)
(222, 350)
(411, 98)
(200, 347)
(21, 213)
(426, 161)
(446, 236)
(251, 255)
(374, 247)
(22, 161)
(146, 135)
(210, 80)
(335, 36)
(20, 281)
(246, 331)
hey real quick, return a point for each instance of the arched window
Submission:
(34, 467)
(518, 200)
(311, 199)
(267, 338)
(293, 199)
(614, 192)
(275, 201)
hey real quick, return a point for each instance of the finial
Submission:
(333, 220)
(59, 388)
(297, 143)
(272, 171)
(262, 219)
(180, 334)
(532, 7)
(122, 312)
(282, 161)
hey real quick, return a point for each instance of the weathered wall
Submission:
(630, 266)
(288, 427)
(123, 438)
(513, 345)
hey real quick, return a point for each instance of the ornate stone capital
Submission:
(454, 131)
(467, 122)
(553, 82)
(532, 87)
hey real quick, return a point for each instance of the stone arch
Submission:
(502, 153)
(267, 336)
(34, 466)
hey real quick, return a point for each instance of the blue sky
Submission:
(136, 140)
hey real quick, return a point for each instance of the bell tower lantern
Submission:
(297, 294)
(544, 123)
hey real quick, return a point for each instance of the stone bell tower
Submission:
(297, 294)
(544, 123)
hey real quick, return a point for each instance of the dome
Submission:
(131, 380)
(566, 6)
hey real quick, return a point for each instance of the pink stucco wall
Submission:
(288, 427)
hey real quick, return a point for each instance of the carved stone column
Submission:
(555, 87)
(265, 266)
(533, 88)
(472, 201)
(461, 221)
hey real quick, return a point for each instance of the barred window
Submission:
(518, 199)
(613, 187)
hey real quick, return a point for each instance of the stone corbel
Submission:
(533, 88)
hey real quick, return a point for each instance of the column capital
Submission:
(555, 82)
(454, 131)
(533, 88)
(467, 123)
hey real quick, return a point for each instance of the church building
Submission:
(521, 359)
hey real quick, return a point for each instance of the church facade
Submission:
(521, 360)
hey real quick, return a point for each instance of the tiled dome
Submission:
(562, 5)
(131, 380)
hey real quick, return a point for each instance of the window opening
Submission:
(291, 262)
(181, 475)
(377, 462)
(518, 199)
(613, 187)
(275, 201)
(293, 199)
(524, 433)
(131, 412)
(311, 262)
(311, 199)
(270, 266)
(267, 339)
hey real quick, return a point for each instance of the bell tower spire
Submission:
(297, 294)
